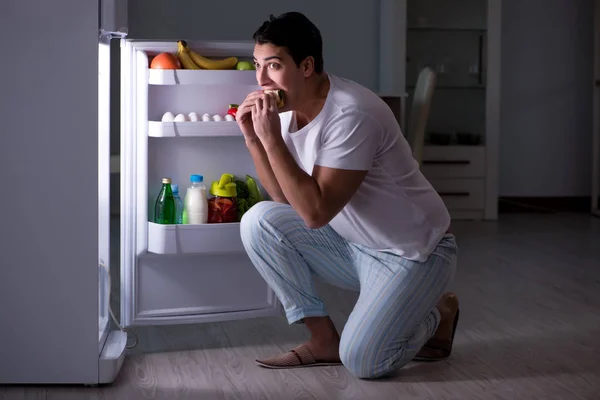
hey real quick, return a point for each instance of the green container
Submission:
(165, 209)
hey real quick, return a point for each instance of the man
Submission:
(349, 207)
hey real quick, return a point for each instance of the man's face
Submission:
(276, 69)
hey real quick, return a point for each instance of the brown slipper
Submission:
(438, 349)
(299, 357)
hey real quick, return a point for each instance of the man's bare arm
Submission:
(317, 198)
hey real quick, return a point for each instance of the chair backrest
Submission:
(420, 112)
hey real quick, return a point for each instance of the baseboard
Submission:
(547, 205)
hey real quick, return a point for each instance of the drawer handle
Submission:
(454, 194)
(446, 162)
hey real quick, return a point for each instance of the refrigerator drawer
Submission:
(187, 288)
(194, 239)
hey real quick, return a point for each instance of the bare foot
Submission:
(325, 341)
(439, 346)
(447, 307)
(322, 351)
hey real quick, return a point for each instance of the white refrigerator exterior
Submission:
(54, 158)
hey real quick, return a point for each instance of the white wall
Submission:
(349, 29)
(546, 98)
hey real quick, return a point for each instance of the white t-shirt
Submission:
(395, 207)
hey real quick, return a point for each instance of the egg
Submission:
(181, 118)
(206, 117)
(229, 117)
(193, 116)
(168, 117)
(217, 117)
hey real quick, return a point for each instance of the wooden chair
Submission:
(420, 112)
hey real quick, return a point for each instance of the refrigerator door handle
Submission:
(113, 18)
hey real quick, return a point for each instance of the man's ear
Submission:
(308, 66)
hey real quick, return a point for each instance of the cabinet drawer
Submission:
(453, 162)
(461, 194)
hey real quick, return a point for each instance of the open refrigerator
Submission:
(172, 274)
(57, 295)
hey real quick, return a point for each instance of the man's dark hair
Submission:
(296, 33)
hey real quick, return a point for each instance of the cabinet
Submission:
(460, 41)
(596, 114)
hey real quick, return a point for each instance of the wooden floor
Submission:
(529, 287)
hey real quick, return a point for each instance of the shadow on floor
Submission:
(517, 357)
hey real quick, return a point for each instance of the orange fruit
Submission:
(165, 61)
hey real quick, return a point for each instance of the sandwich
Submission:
(278, 95)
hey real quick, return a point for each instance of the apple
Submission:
(244, 66)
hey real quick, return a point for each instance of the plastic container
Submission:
(164, 207)
(222, 207)
(178, 204)
(196, 202)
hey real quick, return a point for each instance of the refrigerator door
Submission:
(48, 166)
(111, 343)
(112, 24)
(103, 188)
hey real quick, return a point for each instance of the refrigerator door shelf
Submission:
(193, 129)
(201, 77)
(195, 239)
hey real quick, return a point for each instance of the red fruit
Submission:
(233, 108)
(165, 61)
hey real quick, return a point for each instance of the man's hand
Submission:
(266, 120)
(244, 119)
(243, 116)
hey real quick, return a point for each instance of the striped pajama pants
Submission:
(395, 313)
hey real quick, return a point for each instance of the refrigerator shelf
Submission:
(201, 77)
(195, 239)
(193, 129)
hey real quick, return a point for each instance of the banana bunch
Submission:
(190, 59)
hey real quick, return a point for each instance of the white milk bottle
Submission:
(196, 202)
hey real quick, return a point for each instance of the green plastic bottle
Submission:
(165, 208)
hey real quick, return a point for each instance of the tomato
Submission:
(222, 210)
(224, 204)
(233, 108)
